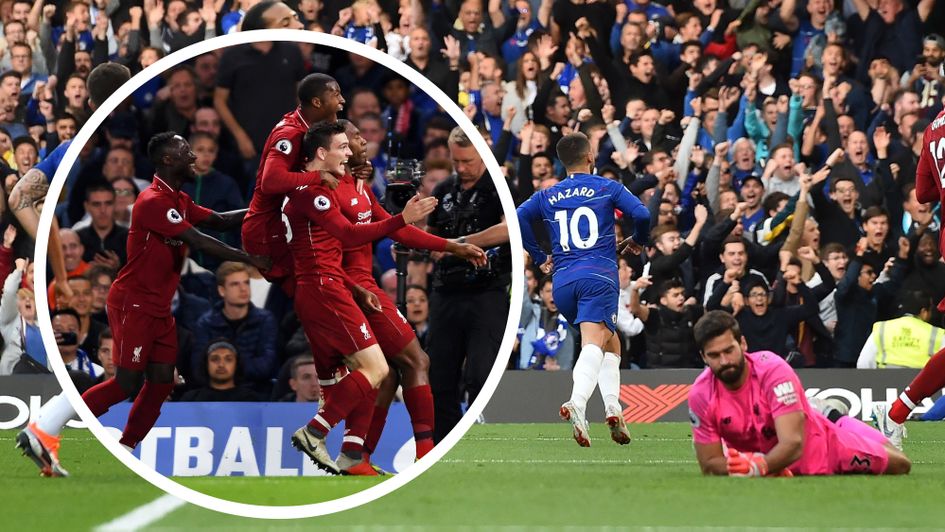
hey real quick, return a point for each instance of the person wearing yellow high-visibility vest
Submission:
(905, 342)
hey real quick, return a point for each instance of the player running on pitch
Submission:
(579, 215)
(139, 304)
(334, 324)
(754, 404)
(929, 187)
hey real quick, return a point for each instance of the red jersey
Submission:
(317, 229)
(930, 173)
(155, 255)
(277, 175)
(359, 206)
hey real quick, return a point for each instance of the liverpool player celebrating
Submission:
(139, 303)
(754, 403)
(334, 324)
(280, 172)
(929, 187)
(394, 335)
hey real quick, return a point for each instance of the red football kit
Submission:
(393, 333)
(360, 206)
(139, 302)
(263, 229)
(930, 172)
(333, 322)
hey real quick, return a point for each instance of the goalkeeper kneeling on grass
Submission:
(754, 405)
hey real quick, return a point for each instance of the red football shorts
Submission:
(391, 327)
(140, 338)
(332, 321)
(265, 235)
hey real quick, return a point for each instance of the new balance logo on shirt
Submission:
(785, 393)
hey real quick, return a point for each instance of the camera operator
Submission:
(469, 306)
(65, 325)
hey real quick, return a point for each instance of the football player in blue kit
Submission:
(579, 215)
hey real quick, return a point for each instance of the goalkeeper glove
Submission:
(746, 464)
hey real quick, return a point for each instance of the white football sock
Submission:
(54, 416)
(609, 380)
(585, 373)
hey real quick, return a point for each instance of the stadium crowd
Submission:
(775, 143)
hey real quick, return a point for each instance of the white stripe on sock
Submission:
(321, 421)
(353, 439)
(908, 402)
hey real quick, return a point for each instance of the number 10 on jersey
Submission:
(569, 229)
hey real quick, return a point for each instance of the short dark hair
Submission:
(99, 186)
(319, 136)
(875, 212)
(106, 334)
(25, 139)
(64, 311)
(10, 74)
(105, 79)
(635, 57)
(572, 149)
(253, 19)
(670, 284)
(713, 324)
(838, 178)
(732, 239)
(182, 16)
(771, 202)
(914, 301)
(313, 86)
(158, 145)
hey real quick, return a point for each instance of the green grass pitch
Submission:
(510, 476)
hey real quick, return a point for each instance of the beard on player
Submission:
(731, 373)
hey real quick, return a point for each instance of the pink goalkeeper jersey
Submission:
(744, 419)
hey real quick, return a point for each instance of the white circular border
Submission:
(253, 510)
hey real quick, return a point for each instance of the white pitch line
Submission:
(144, 515)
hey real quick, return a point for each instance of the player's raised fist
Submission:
(417, 209)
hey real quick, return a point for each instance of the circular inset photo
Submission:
(278, 255)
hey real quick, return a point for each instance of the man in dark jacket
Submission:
(221, 368)
(668, 326)
(765, 327)
(860, 295)
(252, 330)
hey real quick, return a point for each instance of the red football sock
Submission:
(927, 382)
(344, 398)
(357, 424)
(145, 411)
(103, 396)
(419, 402)
(377, 427)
